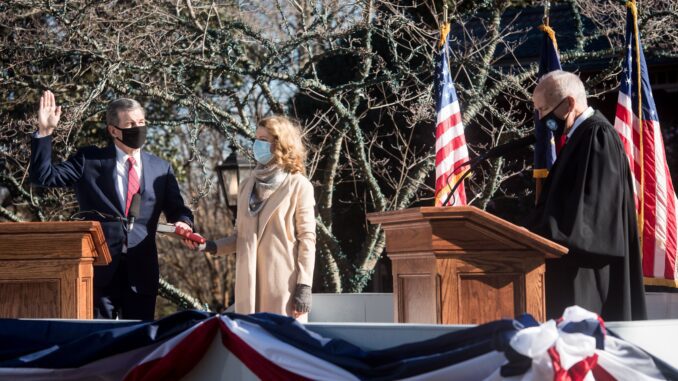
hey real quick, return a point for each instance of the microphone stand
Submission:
(497, 151)
(472, 164)
(105, 217)
(460, 181)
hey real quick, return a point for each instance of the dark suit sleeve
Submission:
(45, 174)
(174, 208)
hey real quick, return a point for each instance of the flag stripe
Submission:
(649, 203)
(286, 362)
(448, 133)
(451, 111)
(258, 364)
(444, 170)
(671, 234)
(661, 203)
(177, 356)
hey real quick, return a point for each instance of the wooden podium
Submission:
(46, 268)
(462, 265)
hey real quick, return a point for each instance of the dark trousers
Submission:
(119, 300)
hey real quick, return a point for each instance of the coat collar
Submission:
(270, 205)
(109, 171)
(145, 169)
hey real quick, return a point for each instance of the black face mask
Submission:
(133, 137)
(553, 122)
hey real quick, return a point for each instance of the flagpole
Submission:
(444, 27)
(444, 30)
(539, 181)
(641, 194)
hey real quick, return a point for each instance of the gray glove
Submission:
(210, 247)
(302, 298)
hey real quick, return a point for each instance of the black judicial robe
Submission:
(587, 205)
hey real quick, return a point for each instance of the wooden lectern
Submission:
(462, 265)
(46, 268)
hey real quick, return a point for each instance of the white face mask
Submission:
(262, 151)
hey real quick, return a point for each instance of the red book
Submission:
(179, 232)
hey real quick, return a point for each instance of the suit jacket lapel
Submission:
(109, 172)
(145, 169)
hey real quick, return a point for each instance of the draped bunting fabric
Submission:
(273, 347)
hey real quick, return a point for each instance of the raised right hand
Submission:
(48, 114)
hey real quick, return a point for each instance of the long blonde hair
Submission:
(289, 151)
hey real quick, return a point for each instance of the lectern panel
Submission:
(29, 298)
(417, 290)
(485, 297)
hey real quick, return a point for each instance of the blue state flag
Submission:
(545, 148)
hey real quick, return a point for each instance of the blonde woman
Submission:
(274, 237)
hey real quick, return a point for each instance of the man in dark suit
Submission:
(105, 181)
(587, 205)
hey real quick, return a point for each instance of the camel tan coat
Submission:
(275, 249)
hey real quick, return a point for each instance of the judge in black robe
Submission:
(587, 205)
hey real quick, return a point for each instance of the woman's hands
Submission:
(209, 246)
(301, 300)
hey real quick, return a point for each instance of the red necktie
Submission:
(560, 143)
(132, 183)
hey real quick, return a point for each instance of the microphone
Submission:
(498, 151)
(513, 145)
(134, 207)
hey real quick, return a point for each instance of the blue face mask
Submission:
(262, 151)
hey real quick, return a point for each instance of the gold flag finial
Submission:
(444, 27)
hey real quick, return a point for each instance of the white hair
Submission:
(558, 84)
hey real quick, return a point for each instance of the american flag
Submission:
(451, 148)
(655, 196)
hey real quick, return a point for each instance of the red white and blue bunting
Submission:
(272, 347)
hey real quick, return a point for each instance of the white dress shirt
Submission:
(580, 119)
(122, 170)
